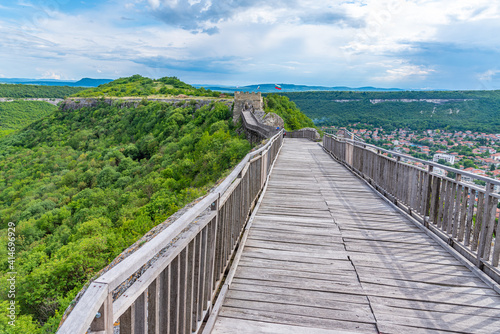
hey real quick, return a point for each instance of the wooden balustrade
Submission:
(308, 133)
(175, 292)
(461, 213)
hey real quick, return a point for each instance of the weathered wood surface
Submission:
(327, 255)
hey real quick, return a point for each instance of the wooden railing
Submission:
(344, 133)
(461, 213)
(175, 292)
(308, 133)
(250, 123)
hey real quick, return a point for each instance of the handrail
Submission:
(176, 291)
(309, 133)
(424, 162)
(264, 131)
(349, 135)
(461, 213)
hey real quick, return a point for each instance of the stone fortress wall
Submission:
(252, 99)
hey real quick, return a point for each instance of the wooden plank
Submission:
(301, 299)
(273, 253)
(353, 315)
(390, 260)
(294, 319)
(291, 246)
(463, 214)
(297, 265)
(431, 321)
(456, 218)
(140, 318)
(154, 307)
(478, 224)
(243, 326)
(127, 321)
(387, 291)
(470, 214)
(450, 287)
(164, 296)
(424, 277)
(396, 303)
(246, 271)
(314, 258)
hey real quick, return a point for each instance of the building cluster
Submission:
(474, 152)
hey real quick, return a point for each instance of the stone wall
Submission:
(244, 100)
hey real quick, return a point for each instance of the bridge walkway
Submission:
(326, 255)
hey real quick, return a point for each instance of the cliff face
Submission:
(78, 103)
(271, 119)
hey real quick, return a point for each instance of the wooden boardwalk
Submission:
(326, 255)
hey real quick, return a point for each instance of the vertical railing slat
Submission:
(463, 213)
(174, 274)
(127, 321)
(154, 307)
(469, 228)
(188, 322)
(479, 220)
(140, 317)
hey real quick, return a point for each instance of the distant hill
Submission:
(85, 82)
(89, 82)
(418, 110)
(19, 91)
(138, 85)
(271, 88)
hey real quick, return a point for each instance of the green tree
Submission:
(469, 163)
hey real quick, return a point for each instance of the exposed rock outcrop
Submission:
(78, 103)
(273, 120)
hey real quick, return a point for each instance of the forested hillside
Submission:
(140, 86)
(18, 114)
(37, 91)
(82, 185)
(464, 110)
(294, 119)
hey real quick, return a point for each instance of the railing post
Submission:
(486, 226)
(427, 196)
(458, 205)
(103, 321)
(212, 243)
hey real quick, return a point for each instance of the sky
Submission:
(410, 44)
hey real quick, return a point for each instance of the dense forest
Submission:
(82, 185)
(37, 91)
(18, 114)
(137, 85)
(478, 113)
(294, 119)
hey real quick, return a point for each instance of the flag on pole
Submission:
(277, 87)
(258, 87)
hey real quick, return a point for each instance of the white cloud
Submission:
(154, 3)
(488, 75)
(327, 42)
(401, 71)
(51, 75)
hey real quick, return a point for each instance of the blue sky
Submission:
(413, 44)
